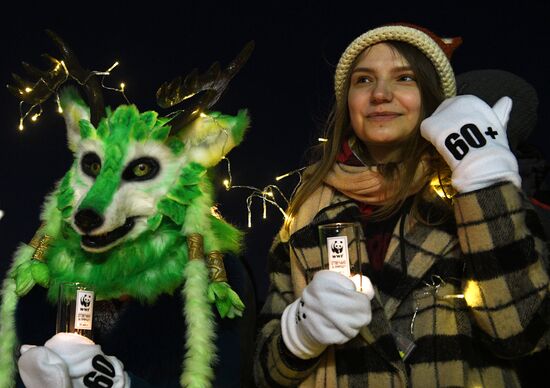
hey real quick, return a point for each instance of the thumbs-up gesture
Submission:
(471, 137)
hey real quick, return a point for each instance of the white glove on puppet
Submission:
(330, 311)
(39, 367)
(85, 363)
(471, 137)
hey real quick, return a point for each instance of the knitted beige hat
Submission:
(437, 50)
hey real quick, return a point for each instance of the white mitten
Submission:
(471, 137)
(330, 311)
(87, 365)
(39, 367)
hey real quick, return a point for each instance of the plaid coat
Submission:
(469, 295)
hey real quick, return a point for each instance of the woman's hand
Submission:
(471, 137)
(330, 311)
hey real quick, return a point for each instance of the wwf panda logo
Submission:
(86, 300)
(337, 246)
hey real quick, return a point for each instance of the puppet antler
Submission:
(48, 82)
(199, 91)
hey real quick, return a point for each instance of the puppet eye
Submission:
(91, 164)
(141, 169)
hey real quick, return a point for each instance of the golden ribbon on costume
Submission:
(214, 262)
(195, 246)
(40, 242)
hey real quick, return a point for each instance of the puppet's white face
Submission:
(129, 172)
(115, 193)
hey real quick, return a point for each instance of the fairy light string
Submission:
(271, 194)
(61, 65)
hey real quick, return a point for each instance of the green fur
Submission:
(24, 281)
(8, 340)
(65, 195)
(122, 123)
(176, 145)
(160, 133)
(154, 222)
(40, 273)
(200, 336)
(30, 273)
(103, 127)
(182, 193)
(154, 262)
(143, 268)
(158, 256)
(230, 238)
(238, 125)
(149, 118)
(140, 131)
(175, 211)
(87, 130)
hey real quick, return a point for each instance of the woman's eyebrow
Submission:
(370, 70)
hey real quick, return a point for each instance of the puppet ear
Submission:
(74, 110)
(211, 136)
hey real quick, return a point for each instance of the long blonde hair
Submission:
(338, 129)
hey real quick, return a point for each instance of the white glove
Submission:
(39, 367)
(85, 364)
(471, 137)
(330, 311)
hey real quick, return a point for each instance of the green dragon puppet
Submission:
(133, 217)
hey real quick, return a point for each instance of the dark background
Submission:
(286, 85)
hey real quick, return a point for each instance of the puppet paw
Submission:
(24, 281)
(40, 273)
(227, 301)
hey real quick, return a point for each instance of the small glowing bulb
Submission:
(322, 140)
(226, 184)
(203, 115)
(34, 117)
(21, 125)
(472, 294)
(28, 90)
(112, 67)
(269, 193)
(59, 109)
(122, 86)
(214, 212)
(442, 189)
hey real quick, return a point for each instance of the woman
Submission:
(458, 276)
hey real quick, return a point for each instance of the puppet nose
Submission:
(88, 220)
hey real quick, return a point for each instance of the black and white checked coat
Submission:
(473, 298)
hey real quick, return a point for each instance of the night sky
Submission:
(286, 85)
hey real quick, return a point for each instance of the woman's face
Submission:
(384, 101)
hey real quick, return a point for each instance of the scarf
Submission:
(364, 183)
